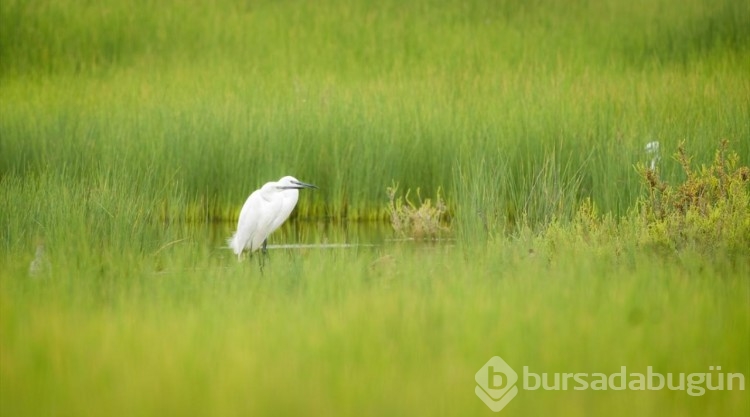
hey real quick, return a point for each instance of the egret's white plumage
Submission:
(39, 264)
(264, 211)
(652, 149)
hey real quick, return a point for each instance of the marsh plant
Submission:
(423, 220)
(708, 213)
(710, 209)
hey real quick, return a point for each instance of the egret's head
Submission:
(291, 183)
(652, 148)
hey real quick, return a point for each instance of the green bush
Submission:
(423, 221)
(709, 211)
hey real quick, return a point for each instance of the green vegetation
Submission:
(397, 330)
(710, 210)
(420, 222)
(211, 100)
(131, 133)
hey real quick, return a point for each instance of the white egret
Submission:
(264, 211)
(652, 149)
(40, 263)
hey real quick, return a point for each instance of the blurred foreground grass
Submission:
(399, 329)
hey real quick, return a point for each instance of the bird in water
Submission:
(265, 211)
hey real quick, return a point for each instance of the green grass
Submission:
(217, 100)
(129, 130)
(396, 330)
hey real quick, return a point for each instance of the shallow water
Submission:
(312, 234)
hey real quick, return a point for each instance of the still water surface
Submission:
(310, 234)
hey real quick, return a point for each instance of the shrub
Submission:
(710, 210)
(418, 222)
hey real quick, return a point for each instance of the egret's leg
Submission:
(264, 253)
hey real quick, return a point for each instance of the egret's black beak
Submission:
(300, 185)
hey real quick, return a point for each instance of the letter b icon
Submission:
(496, 382)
